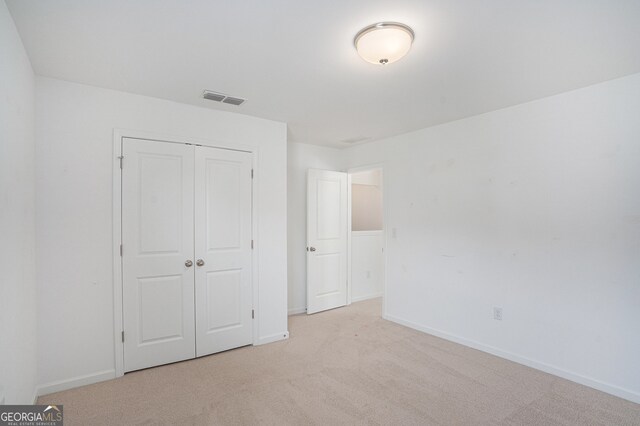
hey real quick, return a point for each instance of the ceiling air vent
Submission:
(232, 101)
(219, 97)
(213, 96)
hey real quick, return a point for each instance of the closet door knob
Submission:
(199, 262)
(312, 249)
(188, 263)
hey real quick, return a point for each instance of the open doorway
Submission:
(367, 237)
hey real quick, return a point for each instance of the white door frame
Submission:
(350, 171)
(118, 135)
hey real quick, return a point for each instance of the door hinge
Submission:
(251, 244)
(253, 314)
(121, 158)
(123, 337)
(120, 250)
(251, 173)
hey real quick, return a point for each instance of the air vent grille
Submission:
(232, 101)
(219, 97)
(213, 96)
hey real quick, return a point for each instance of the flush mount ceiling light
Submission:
(384, 42)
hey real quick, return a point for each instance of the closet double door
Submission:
(186, 251)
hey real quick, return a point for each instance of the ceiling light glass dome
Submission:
(384, 43)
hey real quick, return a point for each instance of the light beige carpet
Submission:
(346, 366)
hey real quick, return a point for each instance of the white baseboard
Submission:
(547, 368)
(367, 297)
(75, 382)
(296, 311)
(273, 338)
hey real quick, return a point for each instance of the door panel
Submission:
(223, 243)
(327, 223)
(329, 217)
(160, 191)
(224, 295)
(329, 274)
(157, 238)
(224, 205)
(160, 308)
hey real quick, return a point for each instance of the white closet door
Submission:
(157, 236)
(223, 249)
(327, 225)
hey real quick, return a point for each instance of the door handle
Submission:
(199, 262)
(312, 249)
(188, 263)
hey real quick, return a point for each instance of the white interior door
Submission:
(327, 227)
(223, 249)
(157, 240)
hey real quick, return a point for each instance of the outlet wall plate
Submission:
(497, 313)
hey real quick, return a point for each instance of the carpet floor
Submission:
(345, 366)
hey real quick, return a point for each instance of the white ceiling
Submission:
(294, 59)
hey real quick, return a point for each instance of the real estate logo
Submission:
(31, 415)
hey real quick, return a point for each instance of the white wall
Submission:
(17, 219)
(367, 235)
(367, 264)
(74, 157)
(371, 177)
(302, 157)
(535, 209)
(366, 200)
(366, 208)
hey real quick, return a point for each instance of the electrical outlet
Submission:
(497, 313)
